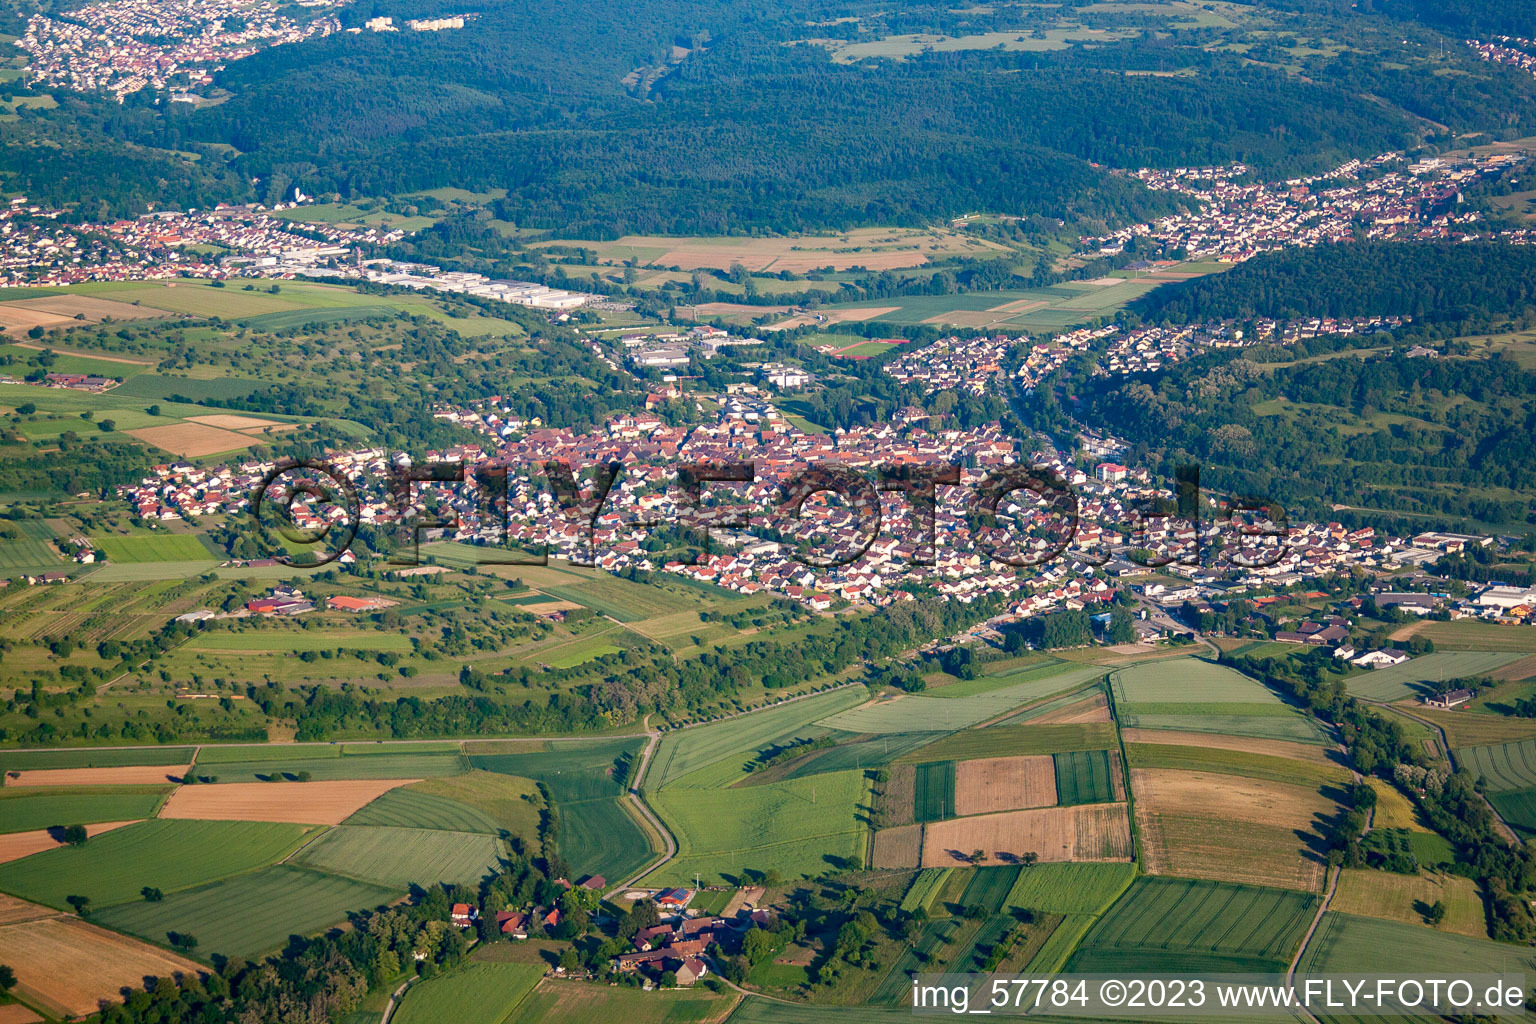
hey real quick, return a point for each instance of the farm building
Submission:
(1448, 700)
(677, 898)
(1380, 659)
(358, 604)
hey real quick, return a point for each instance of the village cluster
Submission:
(1110, 531)
(1512, 50)
(975, 365)
(122, 46)
(1235, 218)
(229, 242)
(37, 248)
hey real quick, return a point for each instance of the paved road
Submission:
(649, 815)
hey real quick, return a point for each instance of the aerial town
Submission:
(121, 47)
(1112, 537)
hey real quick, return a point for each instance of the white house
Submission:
(1380, 659)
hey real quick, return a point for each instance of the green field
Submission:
(597, 836)
(157, 387)
(93, 757)
(1191, 695)
(555, 1003)
(623, 600)
(799, 827)
(23, 810)
(1469, 634)
(860, 754)
(166, 854)
(920, 713)
(1344, 943)
(572, 771)
(249, 914)
(1181, 680)
(410, 808)
(1419, 676)
(685, 750)
(291, 318)
(1235, 762)
(33, 551)
(476, 802)
(1069, 303)
(1059, 946)
(925, 888)
(294, 641)
(401, 857)
(1070, 888)
(763, 1011)
(369, 766)
(1505, 766)
(1258, 721)
(1171, 924)
(158, 547)
(989, 887)
(1014, 740)
(579, 653)
(480, 993)
(309, 752)
(933, 797)
(1083, 777)
(1518, 808)
(930, 950)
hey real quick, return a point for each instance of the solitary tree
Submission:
(7, 978)
(81, 904)
(151, 894)
(75, 835)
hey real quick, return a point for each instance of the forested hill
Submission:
(1428, 281)
(1444, 437)
(600, 117)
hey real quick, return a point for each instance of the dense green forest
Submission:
(1448, 437)
(697, 116)
(1438, 281)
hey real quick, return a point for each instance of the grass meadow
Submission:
(1083, 777)
(23, 810)
(1012, 740)
(322, 768)
(479, 993)
(934, 795)
(1421, 675)
(1345, 943)
(1236, 762)
(153, 547)
(1070, 888)
(400, 857)
(1172, 924)
(168, 855)
(686, 750)
(249, 914)
(596, 834)
(92, 757)
(555, 1003)
(1503, 766)
(797, 827)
